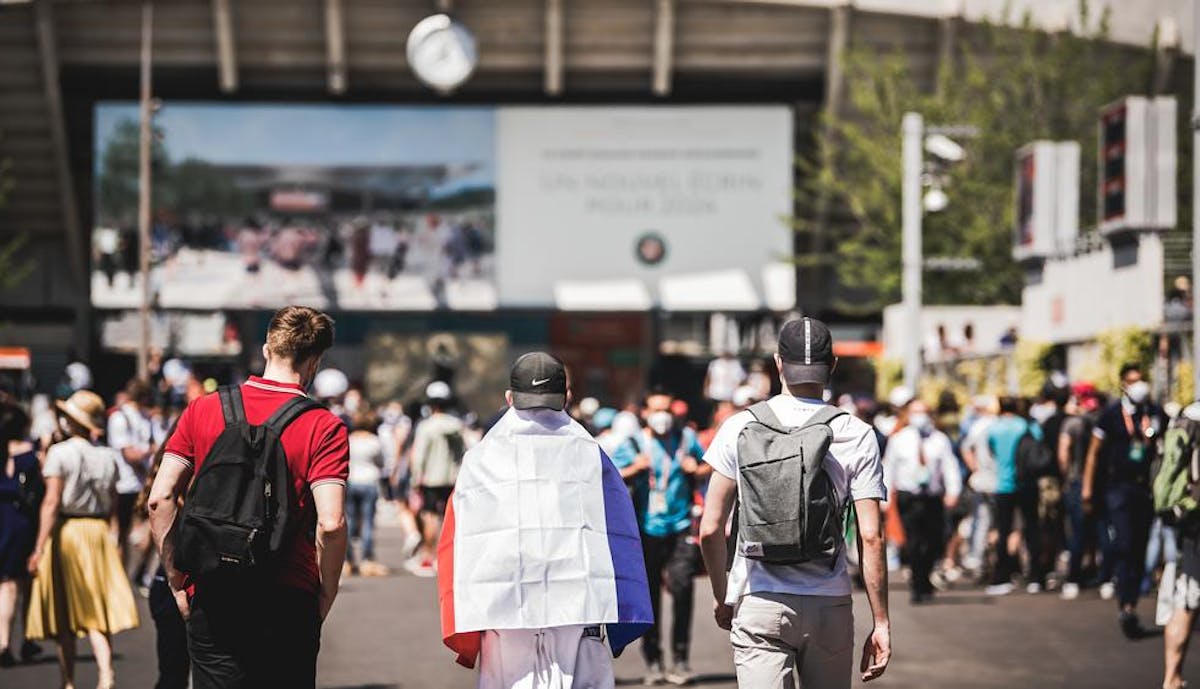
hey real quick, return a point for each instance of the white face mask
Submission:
(660, 422)
(921, 422)
(1041, 412)
(1137, 392)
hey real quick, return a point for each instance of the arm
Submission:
(163, 505)
(330, 499)
(718, 503)
(416, 460)
(1064, 453)
(48, 518)
(1089, 469)
(877, 650)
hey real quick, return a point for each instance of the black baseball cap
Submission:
(538, 381)
(806, 348)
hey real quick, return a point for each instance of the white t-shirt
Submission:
(984, 479)
(904, 470)
(366, 459)
(89, 475)
(128, 427)
(853, 464)
(724, 376)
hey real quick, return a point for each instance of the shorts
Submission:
(1187, 572)
(434, 499)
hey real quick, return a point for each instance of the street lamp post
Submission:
(911, 255)
(145, 141)
(1196, 215)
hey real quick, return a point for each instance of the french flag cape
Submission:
(540, 532)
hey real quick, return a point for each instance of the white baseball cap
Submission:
(437, 390)
(330, 382)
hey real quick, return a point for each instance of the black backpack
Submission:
(1034, 458)
(235, 517)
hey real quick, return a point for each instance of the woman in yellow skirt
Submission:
(80, 587)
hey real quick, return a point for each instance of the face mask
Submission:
(1041, 412)
(660, 422)
(1138, 392)
(921, 422)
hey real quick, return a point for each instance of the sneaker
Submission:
(952, 575)
(1108, 590)
(1033, 588)
(421, 567)
(411, 542)
(7, 659)
(999, 589)
(654, 675)
(1070, 591)
(1130, 626)
(680, 674)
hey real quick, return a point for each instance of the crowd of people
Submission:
(1056, 493)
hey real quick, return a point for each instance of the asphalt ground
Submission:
(383, 633)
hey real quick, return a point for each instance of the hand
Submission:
(641, 463)
(35, 559)
(951, 501)
(689, 465)
(723, 614)
(877, 651)
(182, 602)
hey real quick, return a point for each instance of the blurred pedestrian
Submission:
(549, 635)
(131, 433)
(982, 479)
(362, 493)
(1084, 527)
(21, 492)
(922, 476)
(254, 608)
(725, 374)
(1004, 438)
(438, 447)
(80, 587)
(1123, 446)
(1185, 515)
(663, 464)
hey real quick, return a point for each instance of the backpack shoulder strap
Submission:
(824, 416)
(290, 411)
(231, 404)
(762, 413)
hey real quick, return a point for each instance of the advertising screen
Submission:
(339, 207)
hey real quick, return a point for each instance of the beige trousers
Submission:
(777, 636)
(553, 658)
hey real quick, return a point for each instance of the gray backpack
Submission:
(788, 510)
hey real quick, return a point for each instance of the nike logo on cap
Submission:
(537, 382)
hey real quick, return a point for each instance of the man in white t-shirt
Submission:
(131, 433)
(787, 619)
(725, 374)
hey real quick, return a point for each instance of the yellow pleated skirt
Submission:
(80, 584)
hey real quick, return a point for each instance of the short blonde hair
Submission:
(299, 333)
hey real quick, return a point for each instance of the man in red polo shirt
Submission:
(269, 636)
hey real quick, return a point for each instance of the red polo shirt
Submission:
(316, 448)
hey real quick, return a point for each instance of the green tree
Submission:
(1016, 85)
(117, 183)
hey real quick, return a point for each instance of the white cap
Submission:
(437, 390)
(588, 405)
(900, 396)
(175, 372)
(743, 396)
(329, 383)
(79, 376)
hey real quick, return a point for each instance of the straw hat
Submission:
(85, 408)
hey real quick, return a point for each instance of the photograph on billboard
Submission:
(342, 207)
(627, 207)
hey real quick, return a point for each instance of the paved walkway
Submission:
(383, 634)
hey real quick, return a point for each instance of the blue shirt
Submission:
(665, 455)
(1004, 436)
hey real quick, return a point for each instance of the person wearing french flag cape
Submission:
(541, 578)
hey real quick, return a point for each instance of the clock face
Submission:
(442, 52)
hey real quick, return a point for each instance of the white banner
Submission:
(651, 194)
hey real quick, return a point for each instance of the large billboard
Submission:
(619, 207)
(413, 208)
(257, 206)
